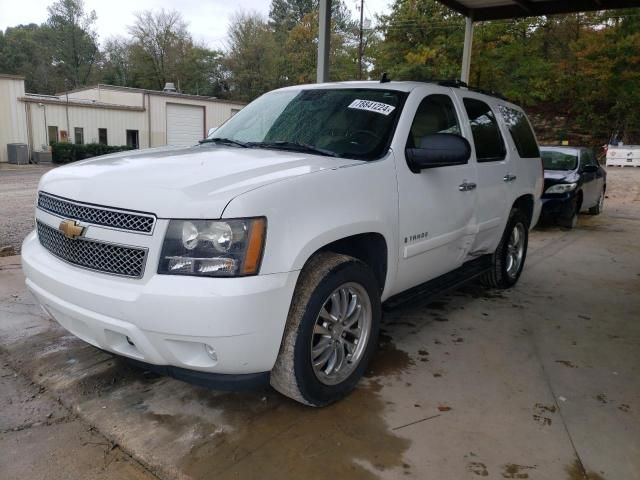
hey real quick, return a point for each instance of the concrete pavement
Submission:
(538, 382)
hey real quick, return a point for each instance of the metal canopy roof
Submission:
(480, 10)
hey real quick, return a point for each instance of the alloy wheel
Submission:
(340, 333)
(515, 250)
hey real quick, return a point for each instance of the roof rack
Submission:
(455, 83)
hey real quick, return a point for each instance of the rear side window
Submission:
(486, 134)
(521, 132)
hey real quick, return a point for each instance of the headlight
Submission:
(561, 188)
(213, 248)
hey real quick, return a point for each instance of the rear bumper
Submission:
(166, 320)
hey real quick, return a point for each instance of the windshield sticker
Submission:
(372, 106)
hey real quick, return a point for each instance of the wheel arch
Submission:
(369, 247)
(525, 204)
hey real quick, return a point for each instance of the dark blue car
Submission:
(574, 182)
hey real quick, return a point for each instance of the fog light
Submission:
(211, 352)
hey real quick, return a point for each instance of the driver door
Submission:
(437, 205)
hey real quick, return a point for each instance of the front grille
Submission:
(93, 254)
(105, 216)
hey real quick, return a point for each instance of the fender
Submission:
(308, 212)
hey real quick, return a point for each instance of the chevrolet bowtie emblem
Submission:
(71, 229)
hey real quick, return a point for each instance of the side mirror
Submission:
(211, 131)
(590, 168)
(438, 150)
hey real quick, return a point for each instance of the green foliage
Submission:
(74, 40)
(421, 40)
(62, 152)
(585, 67)
(582, 67)
(252, 57)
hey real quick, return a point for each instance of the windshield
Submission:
(559, 160)
(353, 123)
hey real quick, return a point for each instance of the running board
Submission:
(437, 286)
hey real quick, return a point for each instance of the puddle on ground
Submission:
(576, 471)
(512, 470)
(275, 437)
(388, 359)
(209, 434)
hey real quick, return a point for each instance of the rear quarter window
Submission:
(521, 132)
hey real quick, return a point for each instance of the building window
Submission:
(132, 139)
(78, 135)
(102, 136)
(53, 134)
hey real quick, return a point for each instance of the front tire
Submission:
(597, 209)
(507, 261)
(331, 330)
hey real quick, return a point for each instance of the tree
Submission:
(118, 67)
(284, 15)
(251, 56)
(75, 42)
(421, 40)
(160, 41)
(27, 50)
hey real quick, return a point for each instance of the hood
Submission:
(552, 177)
(193, 182)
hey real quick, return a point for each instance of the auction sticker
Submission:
(372, 106)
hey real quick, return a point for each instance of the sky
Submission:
(208, 19)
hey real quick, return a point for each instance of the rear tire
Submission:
(507, 261)
(332, 293)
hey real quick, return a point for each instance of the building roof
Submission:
(480, 10)
(51, 100)
(102, 86)
(11, 77)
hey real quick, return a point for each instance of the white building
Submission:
(106, 114)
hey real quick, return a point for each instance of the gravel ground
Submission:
(18, 184)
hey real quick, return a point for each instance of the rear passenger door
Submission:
(493, 171)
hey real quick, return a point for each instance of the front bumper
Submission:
(558, 206)
(164, 319)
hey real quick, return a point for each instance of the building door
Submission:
(185, 124)
(132, 139)
(53, 133)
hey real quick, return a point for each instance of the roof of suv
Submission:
(402, 86)
(564, 147)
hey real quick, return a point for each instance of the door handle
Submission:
(466, 186)
(509, 178)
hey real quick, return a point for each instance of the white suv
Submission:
(265, 252)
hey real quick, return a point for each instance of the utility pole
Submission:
(360, 46)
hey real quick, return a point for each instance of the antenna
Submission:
(384, 78)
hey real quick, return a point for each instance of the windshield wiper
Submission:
(293, 146)
(225, 141)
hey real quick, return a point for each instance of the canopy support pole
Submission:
(324, 41)
(466, 52)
